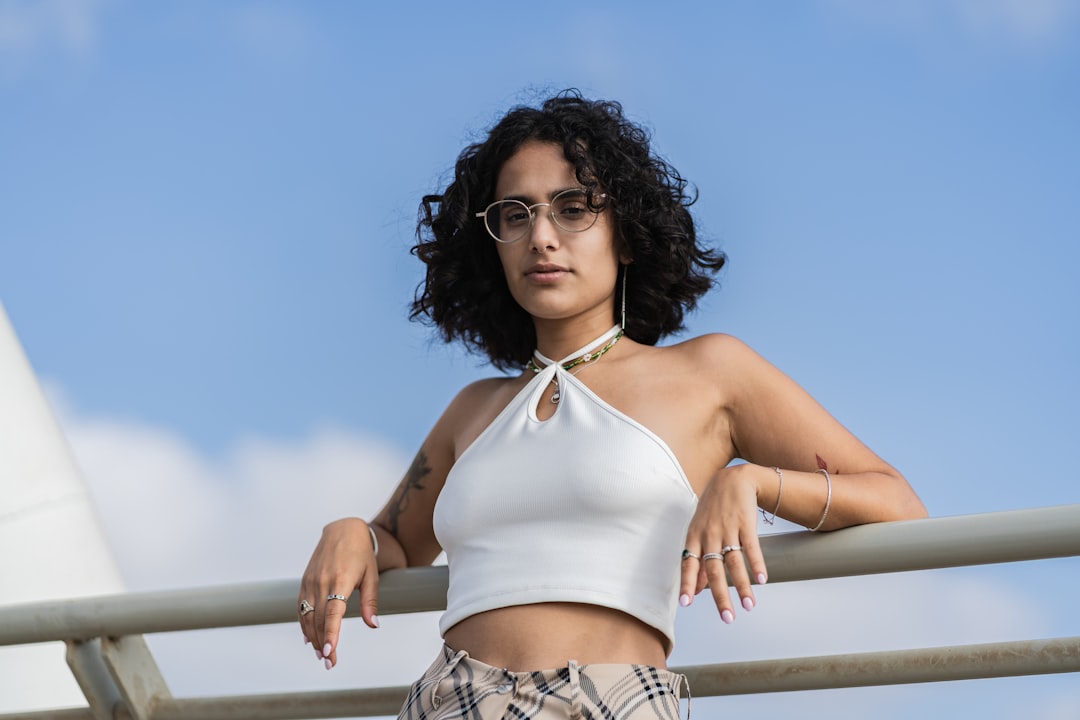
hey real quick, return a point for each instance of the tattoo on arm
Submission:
(822, 465)
(412, 481)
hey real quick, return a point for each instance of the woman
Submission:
(579, 499)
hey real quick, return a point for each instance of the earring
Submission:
(626, 269)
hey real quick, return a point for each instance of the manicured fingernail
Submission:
(318, 655)
(727, 617)
(748, 603)
(326, 649)
(761, 579)
(307, 640)
(375, 620)
(328, 664)
(685, 600)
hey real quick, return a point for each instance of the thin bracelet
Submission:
(779, 493)
(828, 499)
(374, 540)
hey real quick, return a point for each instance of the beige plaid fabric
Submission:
(457, 686)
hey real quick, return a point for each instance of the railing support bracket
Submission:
(118, 676)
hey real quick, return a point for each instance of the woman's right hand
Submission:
(343, 561)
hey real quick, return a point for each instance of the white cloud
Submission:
(176, 518)
(1034, 22)
(1026, 23)
(845, 615)
(853, 615)
(1054, 706)
(179, 519)
(275, 32)
(30, 30)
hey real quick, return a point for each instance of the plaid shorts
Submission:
(457, 686)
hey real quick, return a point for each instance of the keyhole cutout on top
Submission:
(544, 408)
(553, 389)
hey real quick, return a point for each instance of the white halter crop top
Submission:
(588, 506)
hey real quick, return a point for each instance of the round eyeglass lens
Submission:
(570, 210)
(508, 220)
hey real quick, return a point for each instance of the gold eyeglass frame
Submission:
(531, 209)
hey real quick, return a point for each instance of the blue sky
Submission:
(206, 210)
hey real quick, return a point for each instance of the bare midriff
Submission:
(547, 635)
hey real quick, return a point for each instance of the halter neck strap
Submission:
(598, 342)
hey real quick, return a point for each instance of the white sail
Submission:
(51, 542)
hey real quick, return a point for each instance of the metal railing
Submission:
(114, 668)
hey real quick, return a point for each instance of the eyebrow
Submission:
(528, 200)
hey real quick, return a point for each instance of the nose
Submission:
(543, 234)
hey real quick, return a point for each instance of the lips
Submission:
(543, 271)
(546, 273)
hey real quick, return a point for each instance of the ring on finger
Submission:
(306, 607)
(335, 596)
(730, 548)
(687, 554)
(712, 556)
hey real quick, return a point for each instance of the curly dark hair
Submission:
(465, 293)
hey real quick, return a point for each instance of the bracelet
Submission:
(779, 493)
(828, 499)
(374, 540)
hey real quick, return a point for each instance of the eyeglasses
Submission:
(510, 220)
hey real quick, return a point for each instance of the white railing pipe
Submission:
(1009, 536)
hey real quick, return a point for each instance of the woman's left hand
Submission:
(723, 537)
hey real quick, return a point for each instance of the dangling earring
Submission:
(626, 269)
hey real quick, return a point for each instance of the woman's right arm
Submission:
(345, 558)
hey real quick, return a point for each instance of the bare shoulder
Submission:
(729, 372)
(717, 353)
(476, 395)
(473, 408)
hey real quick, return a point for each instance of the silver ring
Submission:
(306, 607)
(335, 596)
(730, 548)
(687, 554)
(712, 556)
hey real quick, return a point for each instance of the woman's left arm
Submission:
(801, 463)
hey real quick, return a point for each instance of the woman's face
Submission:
(552, 273)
